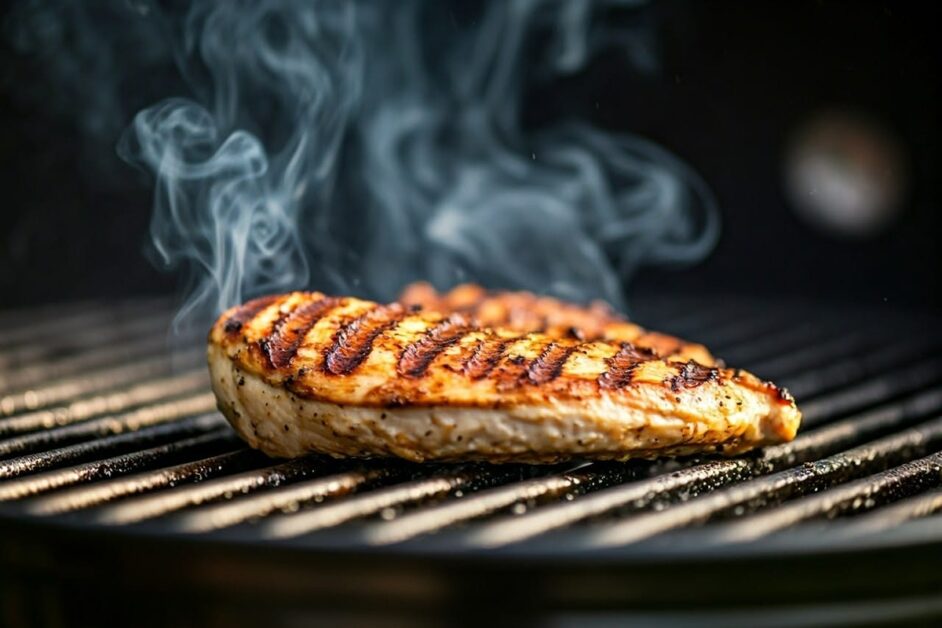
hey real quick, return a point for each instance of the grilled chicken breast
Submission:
(527, 312)
(305, 372)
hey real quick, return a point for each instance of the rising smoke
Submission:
(354, 146)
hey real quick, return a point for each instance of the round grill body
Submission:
(124, 495)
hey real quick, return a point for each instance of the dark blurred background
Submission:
(838, 94)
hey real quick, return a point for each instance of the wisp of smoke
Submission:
(351, 147)
(236, 167)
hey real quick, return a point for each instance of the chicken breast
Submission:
(305, 372)
(527, 312)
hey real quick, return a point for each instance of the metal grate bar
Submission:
(30, 315)
(234, 487)
(96, 382)
(637, 494)
(288, 499)
(870, 424)
(161, 504)
(853, 370)
(809, 338)
(377, 501)
(685, 316)
(97, 358)
(48, 350)
(54, 325)
(86, 408)
(924, 505)
(785, 341)
(889, 385)
(902, 481)
(104, 492)
(738, 331)
(480, 504)
(19, 488)
(83, 328)
(797, 359)
(819, 397)
(171, 410)
(108, 445)
(702, 318)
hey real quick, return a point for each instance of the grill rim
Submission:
(807, 539)
(363, 578)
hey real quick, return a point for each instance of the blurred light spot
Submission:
(845, 174)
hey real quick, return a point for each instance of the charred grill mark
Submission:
(622, 365)
(693, 374)
(782, 395)
(485, 357)
(354, 341)
(417, 357)
(576, 333)
(274, 328)
(512, 373)
(247, 312)
(289, 331)
(549, 364)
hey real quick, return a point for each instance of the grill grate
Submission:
(102, 428)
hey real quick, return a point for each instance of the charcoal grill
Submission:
(124, 496)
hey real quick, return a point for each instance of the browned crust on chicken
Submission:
(528, 312)
(342, 357)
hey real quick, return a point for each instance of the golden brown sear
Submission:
(527, 312)
(305, 372)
